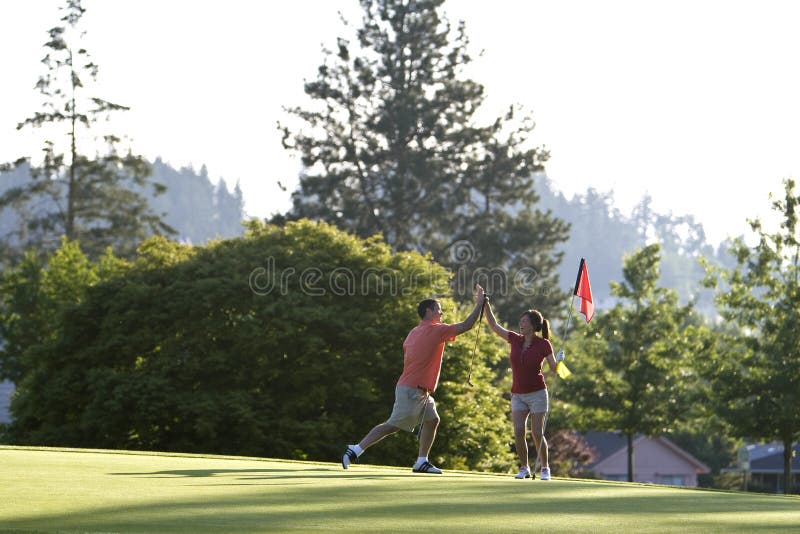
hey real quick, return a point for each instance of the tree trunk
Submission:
(69, 224)
(787, 465)
(630, 457)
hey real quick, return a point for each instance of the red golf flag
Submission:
(584, 291)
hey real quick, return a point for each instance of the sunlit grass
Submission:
(63, 490)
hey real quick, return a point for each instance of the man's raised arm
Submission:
(467, 323)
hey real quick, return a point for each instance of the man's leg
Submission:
(427, 435)
(377, 434)
(352, 452)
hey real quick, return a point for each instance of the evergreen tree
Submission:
(87, 190)
(393, 146)
(756, 376)
(230, 209)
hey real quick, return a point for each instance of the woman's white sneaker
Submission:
(524, 472)
(545, 473)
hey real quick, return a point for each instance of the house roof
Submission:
(606, 444)
(702, 468)
(757, 451)
(768, 458)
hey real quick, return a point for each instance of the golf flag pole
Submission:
(569, 317)
(561, 368)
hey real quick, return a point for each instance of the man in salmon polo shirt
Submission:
(422, 363)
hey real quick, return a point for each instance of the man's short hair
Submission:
(424, 305)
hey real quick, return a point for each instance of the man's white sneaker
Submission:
(426, 467)
(349, 457)
(545, 473)
(524, 472)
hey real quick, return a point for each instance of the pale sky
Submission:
(694, 102)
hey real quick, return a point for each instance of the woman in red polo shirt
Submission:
(528, 389)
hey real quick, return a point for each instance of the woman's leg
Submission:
(520, 419)
(537, 422)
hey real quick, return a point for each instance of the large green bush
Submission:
(284, 343)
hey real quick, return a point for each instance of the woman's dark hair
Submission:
(538, 322)
(424, 305)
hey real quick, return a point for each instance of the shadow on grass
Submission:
(214, 472)
(268, 474)
(434, 502)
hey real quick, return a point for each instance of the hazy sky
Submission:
(694, 102)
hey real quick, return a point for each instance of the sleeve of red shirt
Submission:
(549, 346)
(447, 332)
(514, 336)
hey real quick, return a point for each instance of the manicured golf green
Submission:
(73, 490)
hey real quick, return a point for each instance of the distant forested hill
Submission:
(200, 210)
(603, 235)
(195, 207)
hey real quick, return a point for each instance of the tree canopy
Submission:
(756, 374)
(391, 145)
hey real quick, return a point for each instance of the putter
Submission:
(477, 335)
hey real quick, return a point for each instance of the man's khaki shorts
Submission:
(409, 404)
(535, 402)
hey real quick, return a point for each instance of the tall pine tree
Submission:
(391, 145)
(86, 187)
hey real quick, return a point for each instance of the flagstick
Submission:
(569, 316)
(544, 419)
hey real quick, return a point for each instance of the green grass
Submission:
(74, 490)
